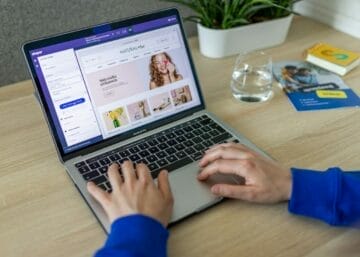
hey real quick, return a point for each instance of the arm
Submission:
(332, 196)
(130, 232)
(138, 209)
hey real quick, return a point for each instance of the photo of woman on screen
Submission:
(162, 70)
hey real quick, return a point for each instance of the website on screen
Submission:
(109, 88)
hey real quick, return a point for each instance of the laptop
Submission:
(128, 90)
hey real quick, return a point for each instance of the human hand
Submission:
(135, 193)
(170, 67)
(265, 180)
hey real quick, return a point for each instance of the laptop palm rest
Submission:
(192, 195)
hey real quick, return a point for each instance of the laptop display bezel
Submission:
(90, 31)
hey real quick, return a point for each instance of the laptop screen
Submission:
(103, 85)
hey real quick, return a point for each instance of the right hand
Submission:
(265, 180)
(135, 193)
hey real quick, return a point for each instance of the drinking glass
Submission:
(252, 77)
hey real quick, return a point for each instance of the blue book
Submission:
(312, 88)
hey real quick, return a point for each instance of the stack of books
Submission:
(331, 58)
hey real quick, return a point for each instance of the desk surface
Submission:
(42, 214)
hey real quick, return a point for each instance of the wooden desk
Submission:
(42, 214)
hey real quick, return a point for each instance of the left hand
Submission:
(136, 193)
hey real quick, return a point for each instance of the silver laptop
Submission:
(127, 90)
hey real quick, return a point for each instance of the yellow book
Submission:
(332, 58)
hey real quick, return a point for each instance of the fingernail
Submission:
(215, 189)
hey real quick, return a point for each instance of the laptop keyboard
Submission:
(169, 149)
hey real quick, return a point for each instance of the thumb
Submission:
(164, 185)
(234, 191)
(100, 195)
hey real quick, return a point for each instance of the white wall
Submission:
(343, 15)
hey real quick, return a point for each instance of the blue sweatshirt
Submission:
(332, 196)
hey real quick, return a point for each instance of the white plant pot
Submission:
(216, 43)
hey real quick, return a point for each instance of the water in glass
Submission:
(252, 82)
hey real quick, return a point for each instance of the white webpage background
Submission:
(65, 84)
(131, 49)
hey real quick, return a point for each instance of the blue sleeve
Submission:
(135, 236)
(332, 196)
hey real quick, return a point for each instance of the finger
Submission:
(164, 185)
(100, 195)
(114, 176)
(246, 193)
(238, 167)
(143, 172)
(128, 171)
(225, 152)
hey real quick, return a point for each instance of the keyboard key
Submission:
(105, 161)
(179, 147)
(153, 149)
(236, 141)
(188, 128)
(134, 149)
(124, 153)
(189, 135)
(152, 142)
(188, 143)
(180, 139)
(173, 166)
(151, 158)
(163, 146)
(170, 150)
(90, 175)
(197, 140)
(99, 180)
(144, 153)
(205, 136)
(196, 125)
(144, 161)
(221, 138)
(214, 133)
(171, 158)
(171, 142)
(208, 143)
(199, 147)
(190, 150)
(162, 162)
(143, 146)
(134, 157)
(206, 129)
(162, 139)
(170, 135)
(153, 166)
(217, 127)
(179, 132)
(196, 156)
(103, 169)
(197, 132)
(114, 157)
(206, 121)
(94, 165)
(83, 169)
(79, 164)
(161, 154)
(180, 154)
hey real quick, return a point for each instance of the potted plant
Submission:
(227, 27)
